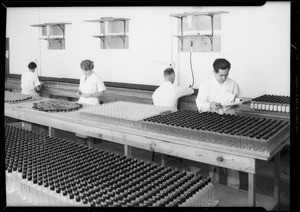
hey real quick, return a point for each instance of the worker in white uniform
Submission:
(212, 96)
(30, 83)
(91, 86)
(167, 94)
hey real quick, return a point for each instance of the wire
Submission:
(192, 72)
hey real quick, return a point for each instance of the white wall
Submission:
(254, 39)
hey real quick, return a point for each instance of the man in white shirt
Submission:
(214, 95)
(91, 86)
(167, 94)
(30, 83)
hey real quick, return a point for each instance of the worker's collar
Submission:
(90, 73)
(168, 82)
(217, 83)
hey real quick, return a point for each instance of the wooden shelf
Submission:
(48, 29)
(103, 19)
(112, 35)
(49, 24)
(109, 28)
(181, 15)
(184, 17)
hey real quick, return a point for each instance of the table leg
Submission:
(251, 190)
(90, 141)
(127, 151)
(163, 160)
(277, 179)
(51, 132)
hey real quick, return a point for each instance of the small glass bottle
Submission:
(271, 106)
(23, 187)
(29, 189)
(267, 106)
(275, 107)
(287, 109)
(279, 107)
(259, 105)
(263, 106)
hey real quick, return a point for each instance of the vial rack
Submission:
(51, 171)
(122, 113)
(271, 103)
(258, 134)
(56, 105)
(15, 97)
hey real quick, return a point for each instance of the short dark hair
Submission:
(87, 65)
(32, 65)
(221, 63)
(169, 71)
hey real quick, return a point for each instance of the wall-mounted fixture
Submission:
(54, 34)
(113, 32)
(198, 28)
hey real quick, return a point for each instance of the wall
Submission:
(254, 39)
(148, 55)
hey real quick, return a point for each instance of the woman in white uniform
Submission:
(91, 86)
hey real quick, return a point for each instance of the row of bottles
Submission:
(52, 171)
(57, 105)
(123, 110)
(15, 96)
(271, 103)
(238, 131)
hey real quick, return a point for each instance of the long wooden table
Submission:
(228, 157)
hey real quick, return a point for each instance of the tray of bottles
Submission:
(128, 114)
(15, 97)
(56, 105)
(258, 134)
(271, 103)
(47, 171)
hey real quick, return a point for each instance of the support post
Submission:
(51, 132)
(127, 151)
(163, 160)
(277, 179)
(251, 190)
(90, 141)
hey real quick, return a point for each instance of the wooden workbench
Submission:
(228, 157)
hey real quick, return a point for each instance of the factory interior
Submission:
(113, 143)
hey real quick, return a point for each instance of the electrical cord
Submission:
(192, 72)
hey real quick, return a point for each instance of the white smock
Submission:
(223, 93)
(213, 91)
(167, 94)
(29, 81)
(91, 84)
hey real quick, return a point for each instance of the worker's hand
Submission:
(214, 105)
(42, 83)
(78, 93)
